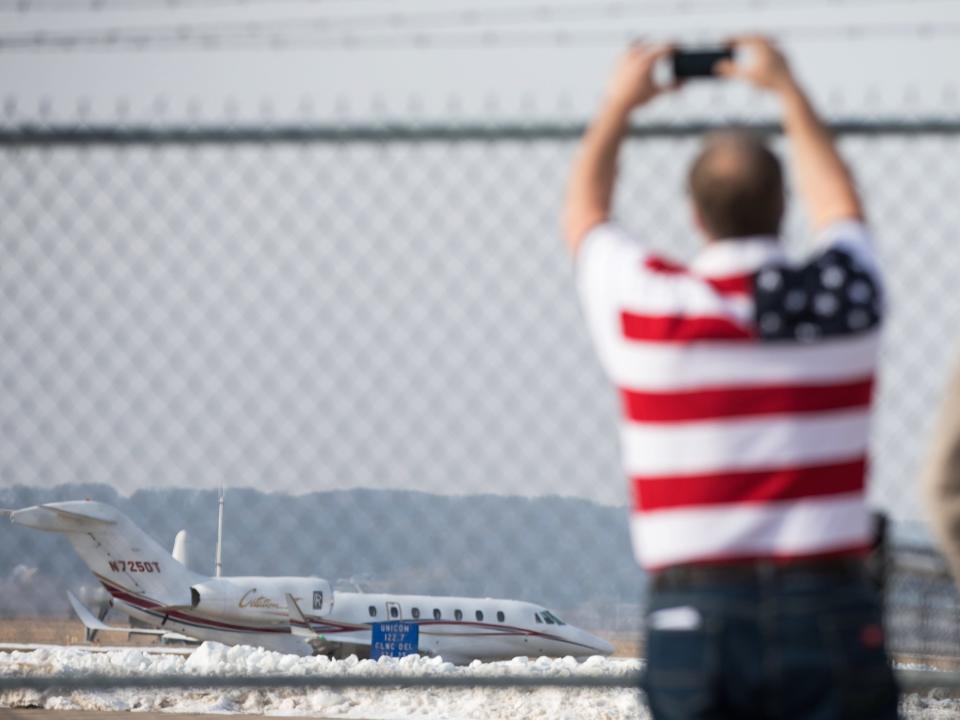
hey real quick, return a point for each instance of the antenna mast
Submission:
(219, 566)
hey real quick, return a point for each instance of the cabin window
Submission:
(537, 618)
(394, 611)
(416, 613)
(458, 614)
(480, 615)
(500, 616)
(437, 614)
(373, 611)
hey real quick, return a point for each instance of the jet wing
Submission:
(92, 623)
(299, 625)
(312, 630)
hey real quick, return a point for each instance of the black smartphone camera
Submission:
(698, 63)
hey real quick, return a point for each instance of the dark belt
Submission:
(682, 576)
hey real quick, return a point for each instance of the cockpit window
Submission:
(548, 618)
(537, 618)
(551, 618)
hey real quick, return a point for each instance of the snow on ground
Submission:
(372, 704)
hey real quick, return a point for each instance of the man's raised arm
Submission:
(590, 189)
(824, 181)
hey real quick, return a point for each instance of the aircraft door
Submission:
(394, 611)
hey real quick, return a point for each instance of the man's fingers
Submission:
(638, 46)
(670, 87)
(726, 68)
(750, 39)
(661, 50)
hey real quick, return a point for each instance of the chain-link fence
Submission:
(370, 336)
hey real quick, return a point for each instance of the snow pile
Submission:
(929, 707)
(212, 659)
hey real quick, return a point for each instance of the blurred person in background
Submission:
(746, 384)
(941, 477)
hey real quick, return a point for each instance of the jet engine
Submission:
(241, 597)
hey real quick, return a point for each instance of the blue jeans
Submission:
(782, 644)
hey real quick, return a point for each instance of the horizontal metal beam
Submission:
(910, 681)
(54, 135)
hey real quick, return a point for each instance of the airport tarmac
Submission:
(151, 649)
(6, 714)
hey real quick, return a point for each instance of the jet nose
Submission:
(602, 646)
(597, 645)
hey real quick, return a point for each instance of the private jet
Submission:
(301, 615)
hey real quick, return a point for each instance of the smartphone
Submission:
(698, 63)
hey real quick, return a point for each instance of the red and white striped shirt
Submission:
(746, 385)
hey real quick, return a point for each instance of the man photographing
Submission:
(746, 384)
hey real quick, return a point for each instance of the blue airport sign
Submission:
(394, 639)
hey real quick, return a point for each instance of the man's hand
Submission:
(760, 64)
(632, 83)
(823, 179)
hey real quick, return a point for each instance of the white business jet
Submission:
(301, 615)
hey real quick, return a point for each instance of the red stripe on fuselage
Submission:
(148, 605)
(500, 630)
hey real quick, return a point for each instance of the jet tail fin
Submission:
(92, 515)
(122, 556)
(65, 517)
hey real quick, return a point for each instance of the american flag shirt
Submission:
(745, 382)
